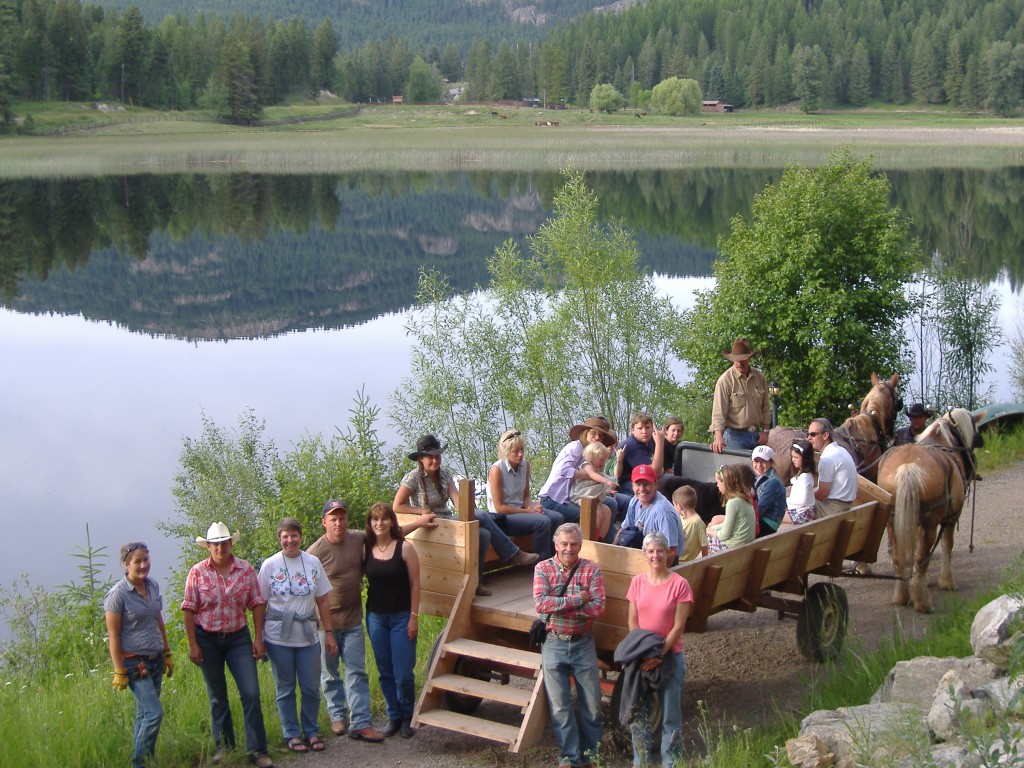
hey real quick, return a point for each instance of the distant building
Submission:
(715, 106)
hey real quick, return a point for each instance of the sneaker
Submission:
(262, 761)
(339, 727)
(369, 733)
(481, 591)
(525, 558)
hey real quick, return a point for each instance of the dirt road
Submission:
(746, 667)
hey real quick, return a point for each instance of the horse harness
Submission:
(858, 443)
(967, 469)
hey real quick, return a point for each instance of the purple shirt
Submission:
(565, 465)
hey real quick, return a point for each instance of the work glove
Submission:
(120, 679)
(168, 664)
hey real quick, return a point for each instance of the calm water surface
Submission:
(134, 306)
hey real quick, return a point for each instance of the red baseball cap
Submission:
(644, 472)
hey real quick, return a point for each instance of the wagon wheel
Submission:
(821, 625)
(617, 733)
(458, 702)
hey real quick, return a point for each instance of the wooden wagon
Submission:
(484, 647)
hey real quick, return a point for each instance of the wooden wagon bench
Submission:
(483, 647)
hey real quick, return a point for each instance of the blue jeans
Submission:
(569, 511)
(235, 650)
(541, 526)
(740, 439)
(396, 659)
(578, 736)
(350, 701)
(671, 721)
(288, 665)
(148, 710)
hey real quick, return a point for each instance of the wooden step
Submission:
(485, 729)
(474, 649)
(470, 686)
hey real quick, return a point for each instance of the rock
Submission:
(914, 682)
(954, 704)
(846, 731)
(991, 637)
(809, 752)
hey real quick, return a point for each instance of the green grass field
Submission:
(428, 138)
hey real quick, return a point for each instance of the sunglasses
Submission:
(511, 436)
(814, 434)
(135, 545)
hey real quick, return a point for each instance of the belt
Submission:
(744, 429)
(146, 657)
(568, 637)
(220, 634)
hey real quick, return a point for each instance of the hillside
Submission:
(422, 23)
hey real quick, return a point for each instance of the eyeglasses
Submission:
(511, 436)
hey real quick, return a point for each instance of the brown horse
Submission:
(928, 481)
(861, 437)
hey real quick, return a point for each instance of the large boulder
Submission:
(992, 636)
(840, 737)
(914, 682)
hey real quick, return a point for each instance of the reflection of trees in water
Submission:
(250, 255)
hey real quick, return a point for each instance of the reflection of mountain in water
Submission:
(221, 257)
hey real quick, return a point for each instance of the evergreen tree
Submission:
(647, 63)
(1004, 67)
(860, 76)
(70, 51)
(451, 63)
(809, 67)
(322, 70)
(505, 74)
(424, 85)
(953, 80)
(132, 46)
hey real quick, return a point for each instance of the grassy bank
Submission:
(388, 138)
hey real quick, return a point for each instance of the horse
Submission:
(865, 435)
(929, 481)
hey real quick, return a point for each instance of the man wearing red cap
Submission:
(650, 511)
(740, 413)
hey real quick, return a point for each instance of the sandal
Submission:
(295, 744)
(317, 744)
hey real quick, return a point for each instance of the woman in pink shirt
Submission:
(660, 602)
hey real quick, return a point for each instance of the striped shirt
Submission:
(140, 627)
(219, 602)
(567, 614)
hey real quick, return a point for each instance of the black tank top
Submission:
(388, 583)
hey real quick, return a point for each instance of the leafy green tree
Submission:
(816, 282)
(639, 97)
(677, 97)
(322, 71)
(604, 98)
(424, 85)
(1004, 68)
(572, 328)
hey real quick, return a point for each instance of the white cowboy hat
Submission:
(218, 532)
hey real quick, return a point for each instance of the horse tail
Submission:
(909, 481)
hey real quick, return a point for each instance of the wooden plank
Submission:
(588, 518)
(441, 581)
(535, 718)
(451, 532)
(467, 499)
(614, 559)
(879, 521)
(436, 604)
(500, 654)
(502, 620)
(471, 686)
(755, 576)
(485, 729)
(441, 555)
(442, 663)
(704, 599)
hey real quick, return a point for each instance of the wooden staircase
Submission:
(459, 649)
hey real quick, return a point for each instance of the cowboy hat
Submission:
(428, 445)
(218, 532)
(918, 409)
(600, 423)
(741, 350)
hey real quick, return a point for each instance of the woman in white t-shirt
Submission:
(294, 585)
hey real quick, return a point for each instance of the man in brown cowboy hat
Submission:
(740, 413)
(918, 416)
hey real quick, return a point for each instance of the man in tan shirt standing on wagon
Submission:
(740, 413)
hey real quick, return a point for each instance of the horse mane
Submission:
(863, 425)
(955, 426)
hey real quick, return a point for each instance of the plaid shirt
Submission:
(219, 602)
(568, 615)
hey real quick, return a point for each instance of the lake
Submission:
(133, 305)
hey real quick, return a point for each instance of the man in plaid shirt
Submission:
(568, 593)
